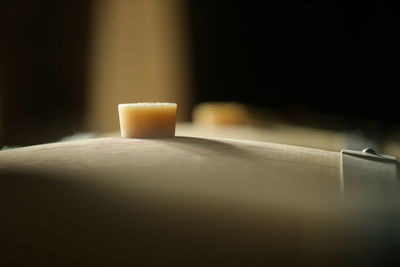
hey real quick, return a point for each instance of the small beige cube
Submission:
(147, 120)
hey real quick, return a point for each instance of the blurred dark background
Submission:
(331, 58)
(43, 69)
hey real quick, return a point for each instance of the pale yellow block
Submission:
(147, 120)
(220, 113)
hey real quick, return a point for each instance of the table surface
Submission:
(183, 199)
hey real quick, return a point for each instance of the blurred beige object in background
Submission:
(220, 113)
(147, 120)
(138, 54)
